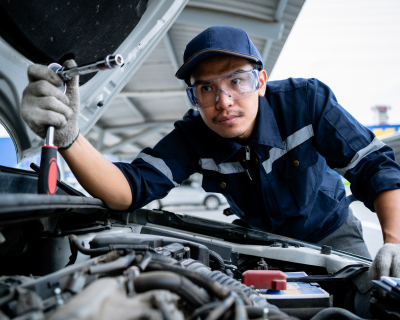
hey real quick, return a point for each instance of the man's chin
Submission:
(237, 135)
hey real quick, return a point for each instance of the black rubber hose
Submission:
(211, 287)
(241, 294)
(221, 308)
(240, 310)
(200, 312)
(145, 261)
(119, 264)
(335, 314)
(226, 281)
(273, 313)
(99, 251)
(219, 262)
(172, 282)
(254, 312)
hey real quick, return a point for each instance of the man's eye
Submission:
(236, 81)
(206, 88)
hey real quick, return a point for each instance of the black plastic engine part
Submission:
(343, 274)
(197, 251)
(223, 250)
(174, 250)
(385, 308)
(326, 250)
(105, 249)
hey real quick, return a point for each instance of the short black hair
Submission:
(255, 64)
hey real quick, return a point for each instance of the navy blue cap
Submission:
(214, 41)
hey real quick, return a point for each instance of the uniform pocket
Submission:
(327, 200)
(299, 170)
(230, 184)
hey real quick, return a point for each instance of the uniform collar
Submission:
(265, 132)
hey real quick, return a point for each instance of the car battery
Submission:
(298, 295)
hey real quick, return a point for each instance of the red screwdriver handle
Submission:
(47, 182)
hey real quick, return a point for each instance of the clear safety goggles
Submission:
(236, 85)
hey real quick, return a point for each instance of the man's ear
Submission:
(263, 83)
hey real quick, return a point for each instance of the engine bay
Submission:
(68, 257)
(161, 265)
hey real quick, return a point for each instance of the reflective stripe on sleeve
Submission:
(159, 164)
(224, 168)
(375, 145)
(290, 143)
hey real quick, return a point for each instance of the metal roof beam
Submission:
(174, 61)
(171, 53)
(206, 18)
(280, 9)
(132, 139)
(100, 140)
(132, 106)
(266, 50)
(139, 126)
(153, 94)
(248, 9)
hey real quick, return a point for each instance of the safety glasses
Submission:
(236, 85)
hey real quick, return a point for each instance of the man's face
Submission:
(230, 118)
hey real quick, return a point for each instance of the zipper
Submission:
(247, 149)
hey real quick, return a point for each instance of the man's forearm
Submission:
(387, 207)
(97, 175)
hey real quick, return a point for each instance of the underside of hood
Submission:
(54, 31)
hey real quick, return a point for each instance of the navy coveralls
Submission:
(302, 140)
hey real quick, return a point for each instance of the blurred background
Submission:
(351, 45)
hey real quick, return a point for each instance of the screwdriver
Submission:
(47, 181)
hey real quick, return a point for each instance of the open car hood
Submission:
(133, 29)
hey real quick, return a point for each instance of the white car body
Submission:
(189, 193)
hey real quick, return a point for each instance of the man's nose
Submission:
(223, 99)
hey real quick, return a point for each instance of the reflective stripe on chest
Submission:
(224, 168)
(290, 143)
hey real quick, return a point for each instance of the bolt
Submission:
(59, 299)
(265, 313)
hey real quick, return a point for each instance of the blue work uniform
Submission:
(286, 178)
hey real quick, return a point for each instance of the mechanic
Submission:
(275, 151)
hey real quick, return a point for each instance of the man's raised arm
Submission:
(44, 105)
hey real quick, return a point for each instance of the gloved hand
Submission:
(44, 104)
(386, 262)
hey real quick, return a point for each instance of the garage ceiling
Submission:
(153, 99)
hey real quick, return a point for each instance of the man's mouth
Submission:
(228, 119)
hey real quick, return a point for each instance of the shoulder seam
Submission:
(291, 88)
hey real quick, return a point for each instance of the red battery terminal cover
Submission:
(265, 279)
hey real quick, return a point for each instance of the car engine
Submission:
(68, 257)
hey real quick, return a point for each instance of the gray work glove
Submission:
(44, 104)
(386, 262)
